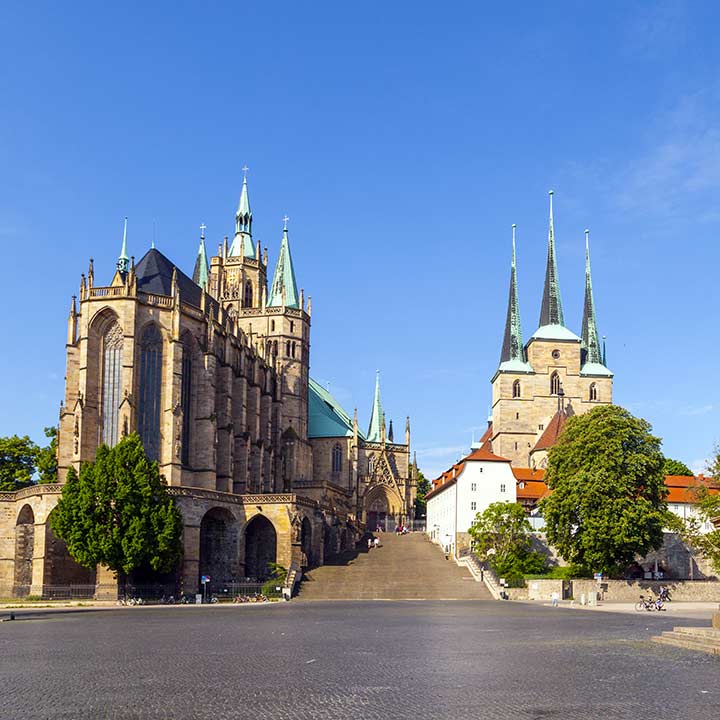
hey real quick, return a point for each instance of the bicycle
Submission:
(645, 604)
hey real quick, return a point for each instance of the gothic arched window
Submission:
(150, 390)
(337, 459)
(516, 389)
(554, 384)
(593, 391)
(185, 399)
(247, 298)
(112, 366)
(274, 347)
(287, 349)
(292, 350)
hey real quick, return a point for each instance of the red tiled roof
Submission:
(552, 431)
(483, 454)
(528, 473)
(486, 440)
(532, 490)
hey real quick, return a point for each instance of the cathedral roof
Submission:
(154, 275)
(326, 417)
(551, 311)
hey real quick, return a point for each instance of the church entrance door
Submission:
(379, 515)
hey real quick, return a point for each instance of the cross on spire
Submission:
(203, 227)
(285, 221)
(245, 169)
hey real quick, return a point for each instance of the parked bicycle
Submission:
(649, 604)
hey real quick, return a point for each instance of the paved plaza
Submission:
(473, 659)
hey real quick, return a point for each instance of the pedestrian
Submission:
(555, 599)
(370, 543)
(376, 542)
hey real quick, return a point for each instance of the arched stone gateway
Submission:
(308, 559)
(219, 534)
(383, 508)
(24, 548)
(260, 547)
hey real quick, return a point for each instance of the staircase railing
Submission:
(293, 577)
(482, 572)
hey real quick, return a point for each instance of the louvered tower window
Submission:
(516, 389)
(150, 387)
(554, 384)
(593, 391)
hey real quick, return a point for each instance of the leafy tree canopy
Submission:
(46, 458)
(502, 535)
(675, 467)
(608, 492)
(423, 488)
(17, 462)
(118, 513)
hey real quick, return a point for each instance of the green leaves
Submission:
(20, 457)
(117, 512)
(608, 492)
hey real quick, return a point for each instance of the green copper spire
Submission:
(376, 416)
(512, 356)
(123, 263)
(242, 242)
(200, 273)
(551, 312)
(590, 348)
(284, 288)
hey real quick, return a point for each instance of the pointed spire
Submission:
(390, 433)
(123, 263)
(590, 347)
(551, 312)
(242, 244)
(376, 416)
(604, 360)
(513, 348)
(201, 272)
(284, 292)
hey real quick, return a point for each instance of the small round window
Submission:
(556, 354)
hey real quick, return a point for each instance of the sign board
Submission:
(598, 576)
(204, 579)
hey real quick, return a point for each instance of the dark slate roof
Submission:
(154, 275)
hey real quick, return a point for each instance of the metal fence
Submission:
(230, 591)
(68, 592)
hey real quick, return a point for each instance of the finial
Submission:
(245, 169)
(152, 244)
(551, 193)
(285, 221)
(587, 239)
(203, 227)
(513, 243)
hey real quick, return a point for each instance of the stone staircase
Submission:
(406, 567)
(705, 639)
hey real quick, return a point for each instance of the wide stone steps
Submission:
(703, 639)
(407, 567)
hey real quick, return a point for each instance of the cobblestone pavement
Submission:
(350, 660)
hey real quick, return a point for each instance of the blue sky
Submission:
(403, 140)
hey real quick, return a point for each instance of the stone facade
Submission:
(213, 374)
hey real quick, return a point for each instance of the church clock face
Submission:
(556, 354)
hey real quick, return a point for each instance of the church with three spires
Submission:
(557, 373)
(212, 371)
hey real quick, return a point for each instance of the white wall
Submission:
(479, 484)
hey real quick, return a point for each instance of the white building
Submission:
(463, 491)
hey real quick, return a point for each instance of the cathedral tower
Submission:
(555, 375)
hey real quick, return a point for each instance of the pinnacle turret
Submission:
(242, 243)
(551, 312)
(284, 290)
(123, 263)
(375, 431)
(591, 351)
(513, 356)
(201, 272)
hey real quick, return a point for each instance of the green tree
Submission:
(118, 513)
(502, 535)
(675, 467)
(17, 462)
(47, 457)
(423, 488)
(608, 492)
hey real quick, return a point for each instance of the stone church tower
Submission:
(555, 375)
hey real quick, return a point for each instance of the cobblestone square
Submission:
(366, 660)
